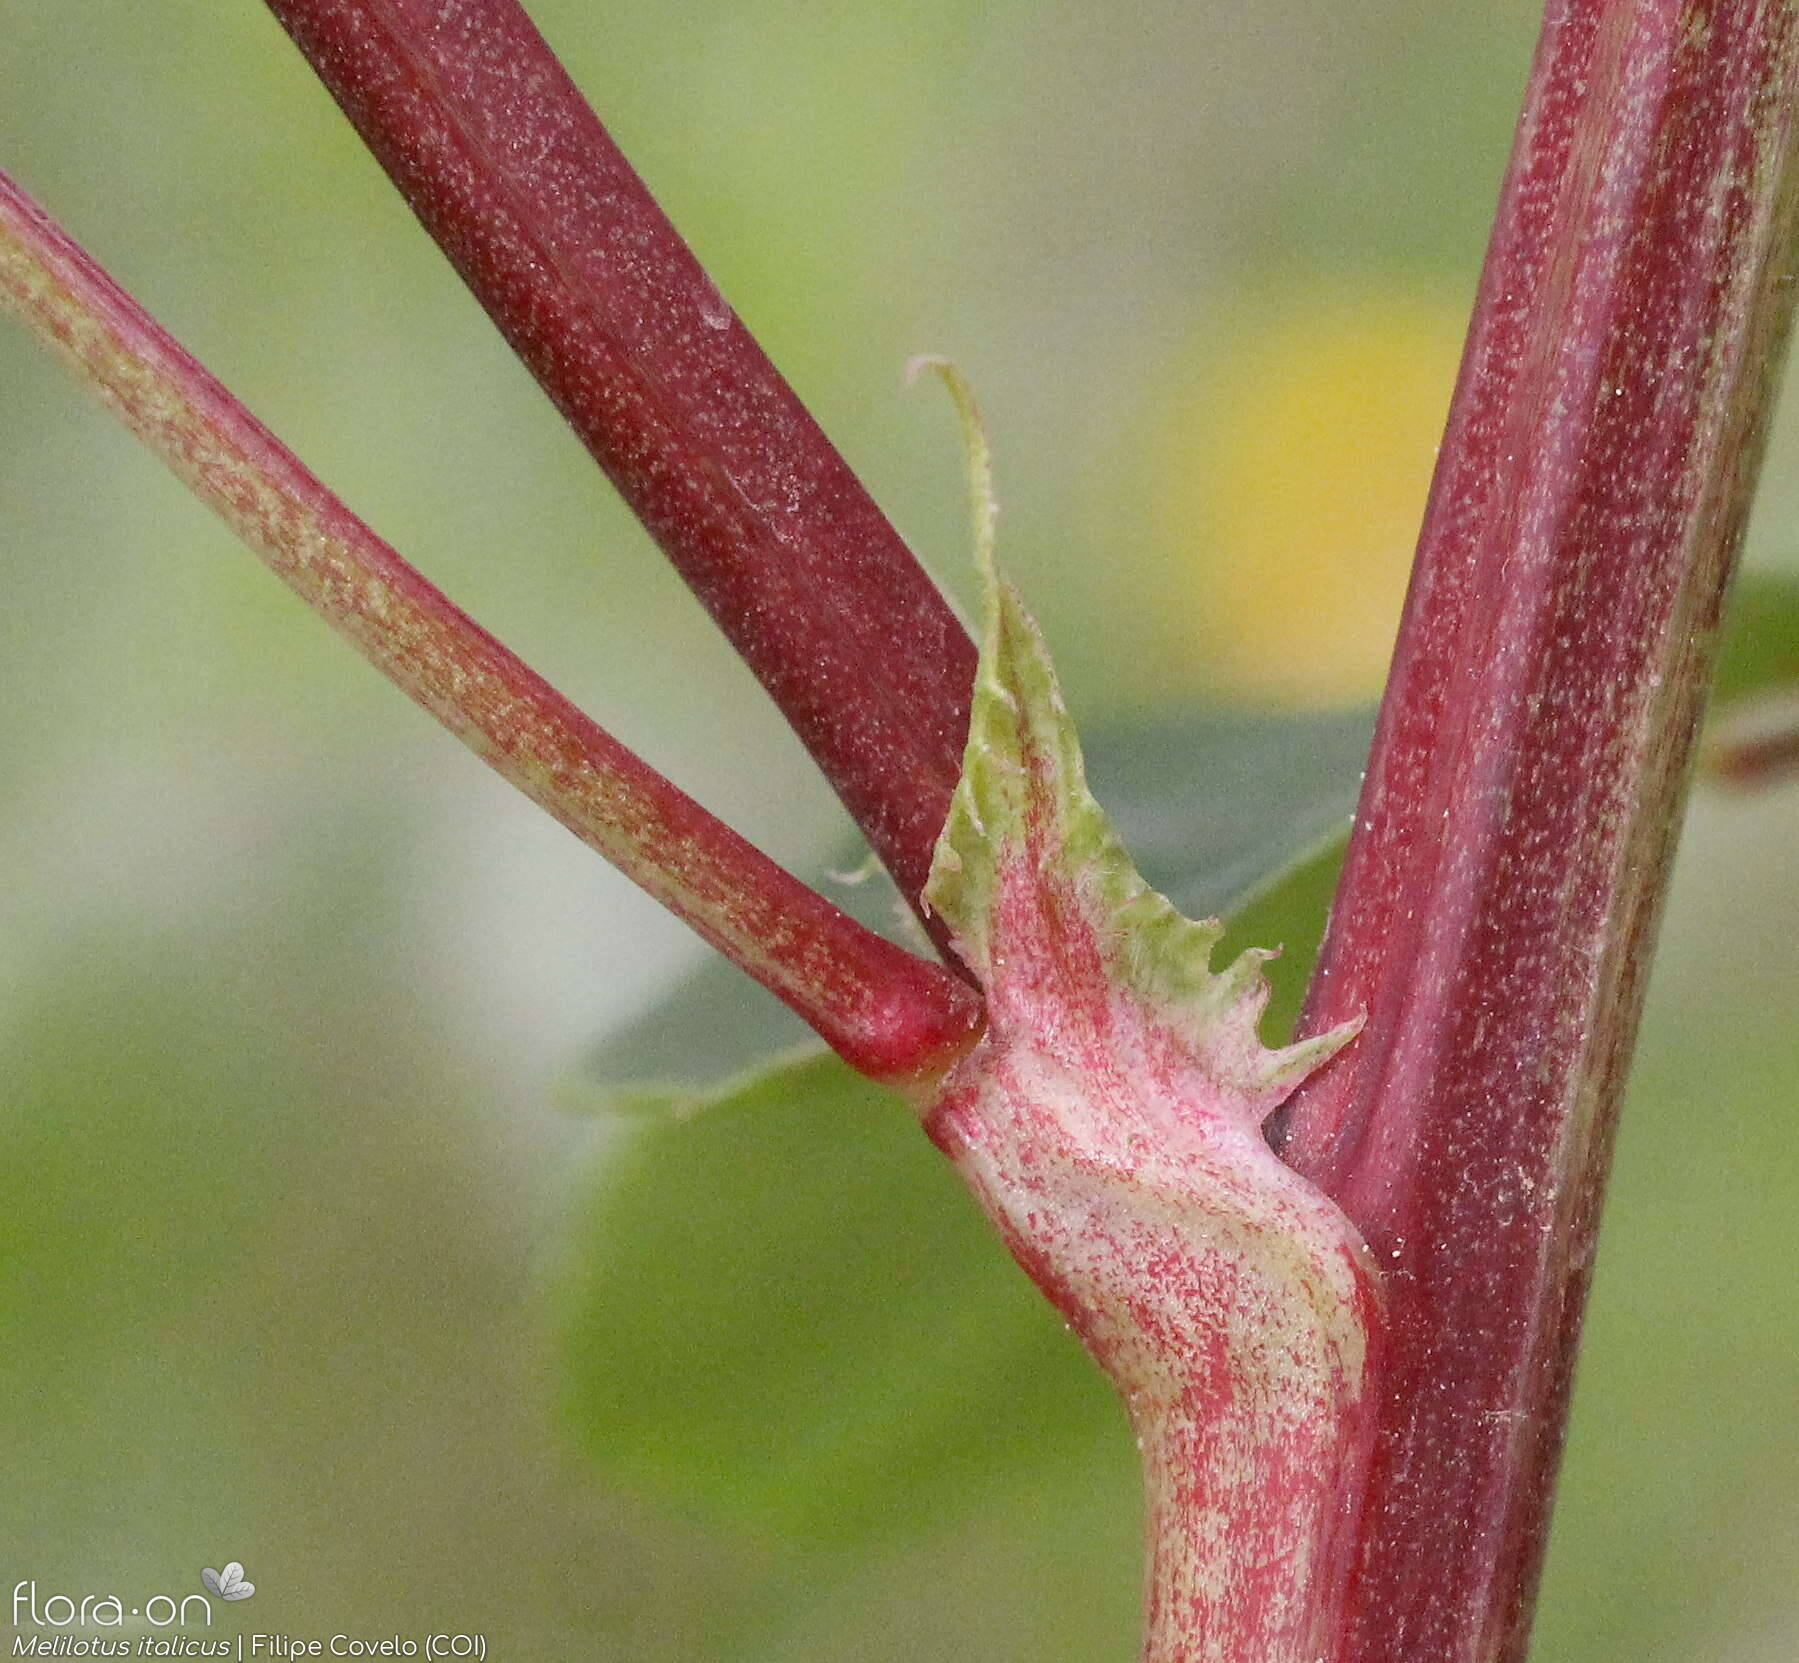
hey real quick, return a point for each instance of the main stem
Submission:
(1511, 850)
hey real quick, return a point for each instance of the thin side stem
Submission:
(887, 1012)
(1503, 885)
(513, 175)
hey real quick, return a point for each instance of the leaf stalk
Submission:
(888, 1013)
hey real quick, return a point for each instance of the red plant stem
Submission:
(1503, 884)
(513, 175)
(885, 1011)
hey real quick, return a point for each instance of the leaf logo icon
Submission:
(228, 1583)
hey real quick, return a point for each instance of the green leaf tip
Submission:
(983, 505)
(1027, 857)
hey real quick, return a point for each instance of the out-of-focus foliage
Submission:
(820, 1343)
(285, 980)
(1759, 648)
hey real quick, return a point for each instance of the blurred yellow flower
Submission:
(1290, 481)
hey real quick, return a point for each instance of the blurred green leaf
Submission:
(1289, 914)
(784, 1312)
(788, 1314)
(1759, 649)
(1212, 805)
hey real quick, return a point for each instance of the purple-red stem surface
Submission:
(510, 171)
(1503, 883)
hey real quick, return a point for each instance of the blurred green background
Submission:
(287, 982)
